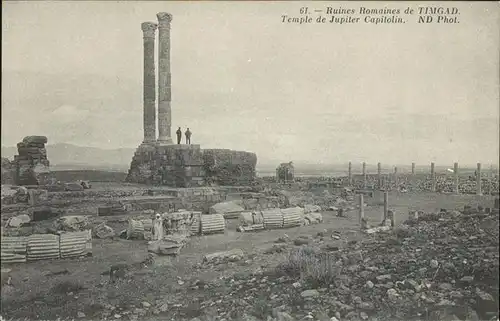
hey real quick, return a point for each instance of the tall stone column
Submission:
(164, 79)
(396, 181)
(478, 180)
(149, 92)
(455, 174)
(413, 168)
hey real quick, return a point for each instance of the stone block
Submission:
(44, 213)
(35, 140)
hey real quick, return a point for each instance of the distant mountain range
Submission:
(64, 156)
(68, 156)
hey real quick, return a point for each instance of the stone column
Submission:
(478, 180)
(413, 168)
(164, 79)
(379, 175)
(149, 92)
(364, 175)
(433, 178)
(386, 205)
(350, 174)
(455, 174)
(396, 176)
(361, 209)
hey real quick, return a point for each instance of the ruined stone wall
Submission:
(172, 165)
(8, 172)
(190, 166)
(32, 165)
(229, 167)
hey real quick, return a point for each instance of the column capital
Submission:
(164, 18)
(148, 29)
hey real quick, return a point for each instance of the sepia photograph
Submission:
(250, 160)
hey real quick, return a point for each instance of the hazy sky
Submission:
(242, 79)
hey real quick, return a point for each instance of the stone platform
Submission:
(190, 166)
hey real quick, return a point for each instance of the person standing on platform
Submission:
(179, 135)
(188, 136)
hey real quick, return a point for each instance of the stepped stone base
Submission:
(190, 166)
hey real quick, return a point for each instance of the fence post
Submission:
(433, 178)
(396, 177)
(478, 180)
(364, 175)
(350, 174)
(386, 204)
(379, 175)
(361, 209)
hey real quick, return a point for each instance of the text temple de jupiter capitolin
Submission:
(157, 160)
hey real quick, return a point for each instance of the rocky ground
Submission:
(440, 267)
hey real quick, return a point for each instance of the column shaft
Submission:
(164, 79)
(149, 82)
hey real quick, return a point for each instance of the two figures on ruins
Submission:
(179, 136)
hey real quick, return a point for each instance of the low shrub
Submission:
(314, 269)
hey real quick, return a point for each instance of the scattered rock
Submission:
(300, 241)
(72, 223)
(384, 277)
(281, 240)
(445, 286)
(309, 294)
(393, 295)
(283, 316)
(80, 315)
(102, 231)
(467, 279)
(163, 307)
(276, 248)
(19, 220)
(235, 254)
